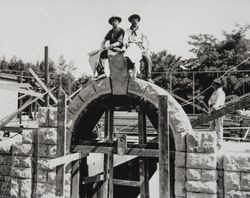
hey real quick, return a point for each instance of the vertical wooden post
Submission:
(20, 102)
(193, 92)
(164, 180)
(108, 185)
(61, 143)
(143, 165)
(75, 179)
(170, 82)
(46, 77)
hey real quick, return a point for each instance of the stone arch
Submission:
(179, 122)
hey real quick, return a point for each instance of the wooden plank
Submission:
(75, 179)
(66, 159)
(93, 179)
(30, 93)
(230, 107)
(43, 85)
(46, 73)
(164, 180)
(5, 121)
(111, 150)
(144, 188)
(111, 156)
(61, 142)
(127, 183)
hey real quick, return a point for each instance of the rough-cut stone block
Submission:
(201, 186)
(67, 191)
(22, 149)
(5, 169)
(52, 151)
(42, 150)
(45, 190)
(236, 162)
(67, 178)
(180, 188)
(137, 87)
(14, 188)
(86, 95)
(180, 159)
(103, 87)
(47, 136)
(202, 142)
(233, 194)
(27, 136)
(41, 176)
(118, 74)
(47, 117)
(5, 159)
(200, 195)
(26, 188)
(51, 177)
(231, 180)
(208, 175)
(180, 174)
(20, 161)
(20, 172)
(42, 164)
(193, 174)
(201, 160)
(245, 181)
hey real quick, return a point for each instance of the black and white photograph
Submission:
(125, 99)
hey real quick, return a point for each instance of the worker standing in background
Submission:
(217, 101)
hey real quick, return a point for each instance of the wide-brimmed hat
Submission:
(134, 16)
(119, 19)
(217, 81)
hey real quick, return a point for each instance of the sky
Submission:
(73, 28)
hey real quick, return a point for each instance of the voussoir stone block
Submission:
(180, 159)
(180, 140)
(27, 136)
(118, 74)
(14, 188)
(232, 180)
(22, 149)
(45, 190)
(201, 186)
(201, 160)
(21, 161)
(103, 87)
(201, 142)
(137, 87)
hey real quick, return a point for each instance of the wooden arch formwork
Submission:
(100, 98)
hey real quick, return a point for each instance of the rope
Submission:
(185, 103)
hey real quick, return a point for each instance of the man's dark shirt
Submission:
(115, 35)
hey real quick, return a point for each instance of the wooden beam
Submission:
(43, 85)
(66, 159)
(113, 150)
(6, 120)
(230, 107)
(127, 183)
(164, 170)
(61, 142)
(46, 73)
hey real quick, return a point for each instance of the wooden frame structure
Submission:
(143, 150)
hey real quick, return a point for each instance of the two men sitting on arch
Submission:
(132, 43)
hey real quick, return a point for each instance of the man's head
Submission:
(217, 83)
(134, 19)
(115, 20)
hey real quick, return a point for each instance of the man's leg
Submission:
(148, 66)
(100, 66)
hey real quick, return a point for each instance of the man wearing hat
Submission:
(115, 38)
(137, 48)
(217, 101)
